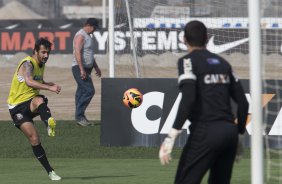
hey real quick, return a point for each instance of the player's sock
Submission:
(44, 113)
(41, 156)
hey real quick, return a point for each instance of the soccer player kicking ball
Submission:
(207, 84)
(25, 102)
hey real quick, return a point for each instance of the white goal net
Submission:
(157, 29)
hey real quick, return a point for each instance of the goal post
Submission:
(111, 39)
(256, 92)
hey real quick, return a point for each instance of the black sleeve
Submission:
(238, 95)
(188, 90)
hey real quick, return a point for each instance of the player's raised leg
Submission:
(39, 104)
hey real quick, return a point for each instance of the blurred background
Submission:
(157, 24)
(49, 9)
(76, 9)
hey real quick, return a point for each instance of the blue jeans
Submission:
(84, 92)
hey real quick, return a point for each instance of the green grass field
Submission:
(76, 155)
(102, 171)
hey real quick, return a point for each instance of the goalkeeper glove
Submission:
(167, 146)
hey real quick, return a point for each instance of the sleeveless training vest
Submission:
(19, 91)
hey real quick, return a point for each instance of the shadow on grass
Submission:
(94, 177)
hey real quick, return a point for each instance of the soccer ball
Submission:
(132, 98)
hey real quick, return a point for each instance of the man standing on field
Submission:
(82, 66)
(25, 102)
(207, 83)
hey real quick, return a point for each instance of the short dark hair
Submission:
(42, 41)
(195, 33)
(92, 22)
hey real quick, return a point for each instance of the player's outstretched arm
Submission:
(26, 71)
(48, 83)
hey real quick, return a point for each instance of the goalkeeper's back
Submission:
(215, 85)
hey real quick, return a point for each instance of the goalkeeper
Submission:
(207, 84)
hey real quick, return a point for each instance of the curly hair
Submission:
(42, 41)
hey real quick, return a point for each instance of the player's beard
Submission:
(43, 61)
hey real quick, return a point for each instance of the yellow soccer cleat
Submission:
(51, 127)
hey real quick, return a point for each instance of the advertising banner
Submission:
(210, 22)
(148, 41)
(148, 124)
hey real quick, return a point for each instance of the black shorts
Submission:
(22, 113)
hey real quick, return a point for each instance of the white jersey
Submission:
(87, 50)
